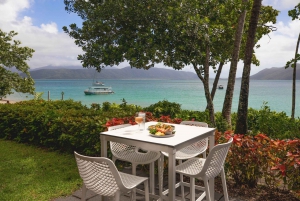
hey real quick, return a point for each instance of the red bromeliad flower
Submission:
(237, 140)
(165, 119)
(262, 138)
(280, 167)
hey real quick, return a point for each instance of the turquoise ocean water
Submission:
(188, 93)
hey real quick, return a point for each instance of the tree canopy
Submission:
(177, 33)
(12, 55)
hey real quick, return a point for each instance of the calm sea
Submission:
(190, 94)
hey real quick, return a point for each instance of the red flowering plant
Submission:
(149, 117)
(252, 158)
(244, 160)
(274, 154)
(165, 119)
(114, 122)
(288, 163)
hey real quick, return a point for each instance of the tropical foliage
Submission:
(259, 157)
(14, 56)
(270, 151)
(295, 14)
(177, 33)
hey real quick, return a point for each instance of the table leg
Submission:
(212, 181)
(103, 146)
(171, 174)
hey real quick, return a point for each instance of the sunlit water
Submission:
(188, 93)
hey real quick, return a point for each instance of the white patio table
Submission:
(184, 136)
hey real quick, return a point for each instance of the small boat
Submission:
(97, 83)
(97, 90)
(220, 86)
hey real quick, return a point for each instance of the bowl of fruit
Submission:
(161, 130)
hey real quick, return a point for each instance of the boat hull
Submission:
(97, 93)
(98, 90)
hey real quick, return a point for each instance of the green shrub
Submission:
(57, 125)
(69, 125)
(164, 108)
(276, 125)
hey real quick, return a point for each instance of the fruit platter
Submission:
(161, 130)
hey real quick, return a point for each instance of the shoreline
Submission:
(5, 101)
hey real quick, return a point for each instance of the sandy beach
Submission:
(4, 101)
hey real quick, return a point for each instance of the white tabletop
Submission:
(183, 134)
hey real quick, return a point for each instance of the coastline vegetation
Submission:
(269, 151)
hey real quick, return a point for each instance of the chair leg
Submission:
(224, 185)
(192, 188)
(114, 159)
(152, 179)
(146, 186)
(83, 195)
(134, 173)
(207, 191)
(204, 154)
(181, 184)
(160, 174)
(117, 196)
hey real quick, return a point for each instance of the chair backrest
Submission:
(99, 174)
(215, 160)
(118, 149)
(201, 145)
(194, 123)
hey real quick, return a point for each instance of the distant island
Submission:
(77, 72)
(110, 73)
(277, 74)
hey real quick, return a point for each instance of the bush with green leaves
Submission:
(59, 125)
(276, 125)
(68, 125)
(164, 108)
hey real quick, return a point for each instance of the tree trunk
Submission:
(209, 100)
(227, 104)
(294, 80)
(205, 81)
(241, 124)
(215, 85)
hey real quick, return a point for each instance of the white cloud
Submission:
(281, 4)
(51, 47)
(289, 29)
(280, 47)
(51, 28)
(9, 9)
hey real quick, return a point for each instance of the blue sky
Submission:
(47, 11)
(39, 24)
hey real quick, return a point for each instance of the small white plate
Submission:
(162, 136)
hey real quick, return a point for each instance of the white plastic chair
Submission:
(133, 155)
(195, 149)
(205, 169)
(190, 151)
(101, 176)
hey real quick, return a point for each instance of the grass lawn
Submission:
(31, 173)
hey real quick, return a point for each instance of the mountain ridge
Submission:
(113, 73)
(276, 74)
(78, 72)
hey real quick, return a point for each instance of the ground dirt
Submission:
(260, 193)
